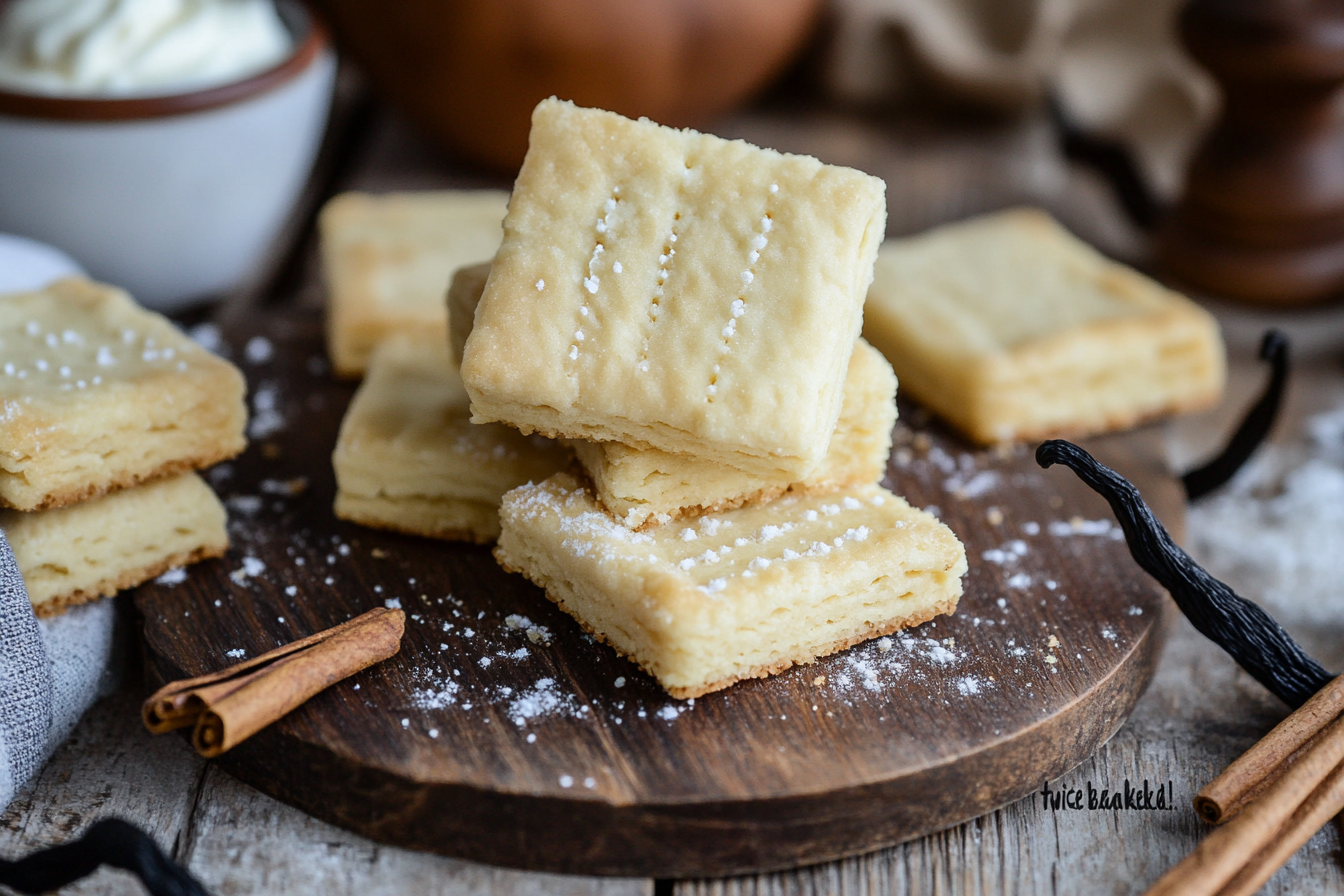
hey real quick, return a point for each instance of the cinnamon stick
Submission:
(1325, 802)
(1262, 823)
(231, 705)
(1259, 766)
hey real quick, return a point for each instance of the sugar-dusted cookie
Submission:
(409, 459)
(742, 594)
(464, 294)
(1011, 328)
(639, 485)
(97, 393)
(72, 555)
(388, 260)
(670, 288)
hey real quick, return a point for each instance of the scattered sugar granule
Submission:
(247, 505)
(566, 781)
(266, 417)
(175, 576)
(258, 350)
(393, 603)
(968, 686)
(620, 681)
(237, 653)
(285, 487)
(207, 336)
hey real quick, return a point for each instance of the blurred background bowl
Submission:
(176, 198)
(469, 72)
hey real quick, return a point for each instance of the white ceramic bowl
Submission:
(175, 198)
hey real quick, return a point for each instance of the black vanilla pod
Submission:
(1259, 420)
(110, 841)
(1246, 632)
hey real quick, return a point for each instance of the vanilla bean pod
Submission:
(1248, 633)
(1258, 422)
(110, 841)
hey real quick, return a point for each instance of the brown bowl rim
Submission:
(65, 108)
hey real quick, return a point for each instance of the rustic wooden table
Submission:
(1200, 712)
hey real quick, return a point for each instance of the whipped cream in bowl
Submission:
(110, 48)
(161, 143)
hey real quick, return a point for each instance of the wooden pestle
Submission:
(1262, 218)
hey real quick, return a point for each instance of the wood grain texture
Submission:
(1200, 713)
(234, 839)
(109, 766)
(549, 764)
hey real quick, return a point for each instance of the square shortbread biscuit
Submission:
(97, 393)
(671, 288)
(72, 555)
(1011, 328)
(464, 294)
(388, 260)
(409, 459)
(638, 485)
(742, 594)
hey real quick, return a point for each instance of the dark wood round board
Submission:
(552, 753)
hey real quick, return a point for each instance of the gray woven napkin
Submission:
(50, 673)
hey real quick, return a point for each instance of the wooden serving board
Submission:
(547, 751)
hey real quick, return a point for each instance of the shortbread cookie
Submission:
(97, 393)
(670, 288)
(742, 594)
(72, 555)
(1011, 328)
(640, 485)
(409, 459)
(388, 260)
(464, 294)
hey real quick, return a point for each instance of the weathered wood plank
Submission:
(244, 842)
(235, 839)
(109, 766)
(1200, 713)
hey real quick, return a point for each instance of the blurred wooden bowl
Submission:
(470, 71)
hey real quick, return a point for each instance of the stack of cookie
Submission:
(105, 411)
(686, 309)
(408, 458)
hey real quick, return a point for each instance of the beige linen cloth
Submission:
(1115, 66)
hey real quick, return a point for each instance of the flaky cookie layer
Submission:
(741, 593)
(642, 486)
(72, 555)
(448, 519)
(408, 457)
(98, 394)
